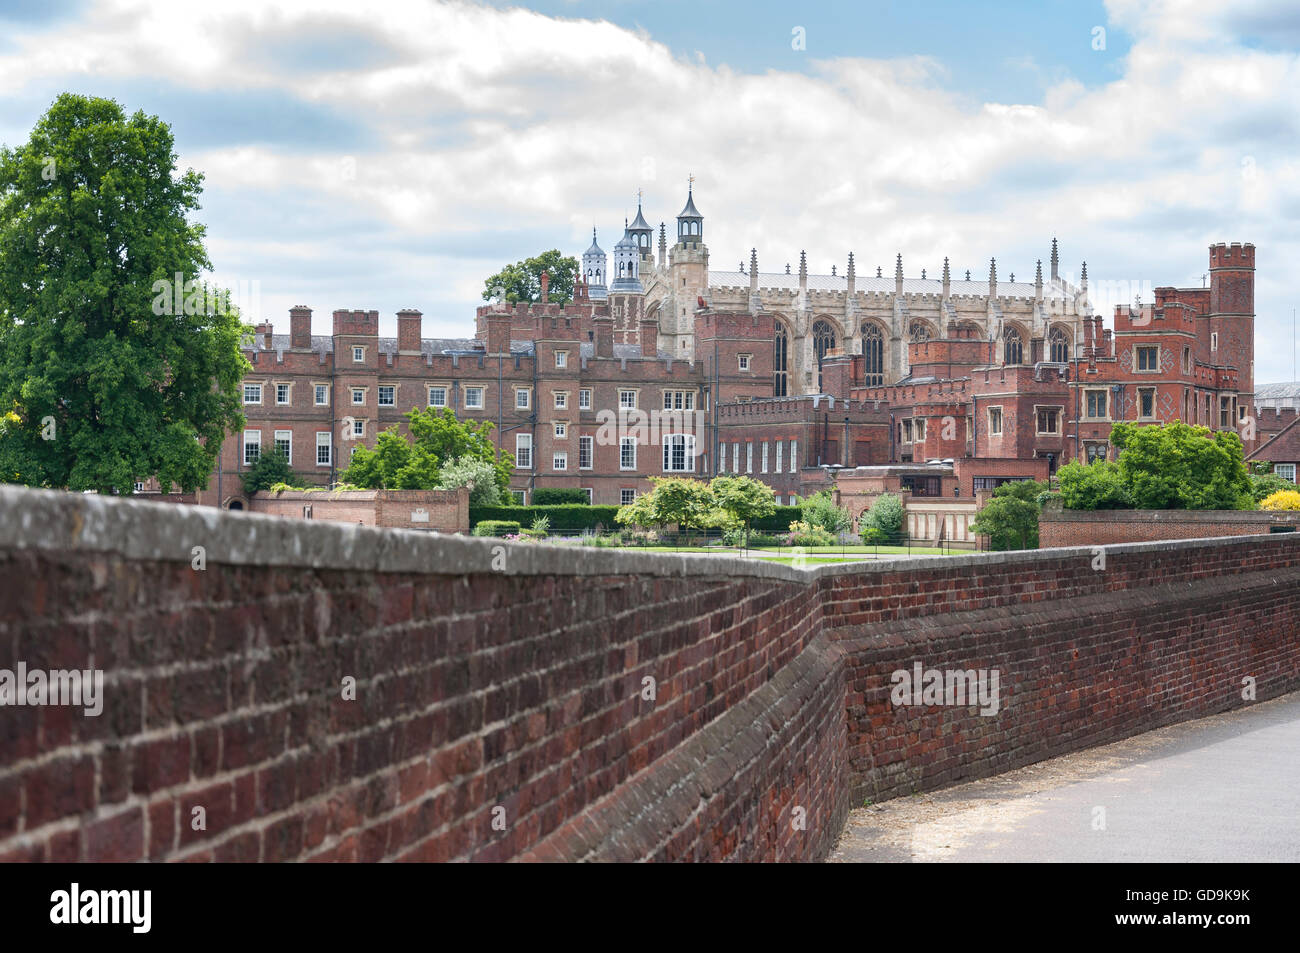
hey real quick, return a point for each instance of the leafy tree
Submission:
(271, 468)
(884, 521)
(478, 475)
(1010, 517)
(522, 281)
(1282, 500)
(437, 439)
(1093, 486)
(1266, 484)
(681, 500)
(820, 510)
(111, 378)
(743, 499)
(1174, 466)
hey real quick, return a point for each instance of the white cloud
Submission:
(481, 120)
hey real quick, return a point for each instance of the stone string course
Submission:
(490, 692)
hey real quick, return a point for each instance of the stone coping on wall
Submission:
(1168, 516)
(58, 520)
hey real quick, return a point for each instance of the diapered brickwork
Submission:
(517, 695)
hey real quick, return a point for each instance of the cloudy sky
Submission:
(392, 155)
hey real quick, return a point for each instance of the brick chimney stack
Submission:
(300, 327)
(408, 331)
(604, 328)
(498, 333)
(264, 333)
(546, 286)
(649, 337)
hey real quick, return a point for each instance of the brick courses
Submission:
(521, 689)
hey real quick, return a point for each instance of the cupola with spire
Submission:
(595, 269)
(627, 260)
(690, 223)
(641, 231)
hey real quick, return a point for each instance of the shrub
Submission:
(568, 516)
(1282, 500)
(541, 525)
(1093, 486)
(558, 496)
(479, 475)
(498, 528)
(270, 469)
(886, 516)
(805, 534)
(779, 521)
(820, 510)
(1264, 485)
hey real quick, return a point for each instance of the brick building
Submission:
(660, 366)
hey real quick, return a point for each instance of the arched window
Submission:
(1014, 352)
(780, 362)
(823, 341)
(873, 354)
(1059, 347)
(920, 332)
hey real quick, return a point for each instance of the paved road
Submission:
(1224, 788)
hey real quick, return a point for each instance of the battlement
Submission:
(734, 324)
(1235, 255)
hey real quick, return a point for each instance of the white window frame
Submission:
(743, 361)
(561, 400)
(560, 461)
(561, 430)
(794, 452)
(481, 398)
(626, 497)
(671, 445)
(523, 398)
(523, 450)
(749, 456)
(780, 450)
(247, 388)
(380, 395)
(252, 438)
(764, 458)
(520, 496)
(561, 358)
(288, 394)
(317, 390)
(287, 437)
(355, 392)
(995, 432)
(587, 446)
(327, 444)
(437, 387)
(623, 444)
(735, 457)
(358, 427)
(623, 399)
(584, 398)
(358, 354)
(1284, 470)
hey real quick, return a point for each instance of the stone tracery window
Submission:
(1014, 350)
(1058, 346)
(873, 354)
(823, 341)
(781, 362)
(919, 332)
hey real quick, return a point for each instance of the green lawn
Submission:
(783, 553)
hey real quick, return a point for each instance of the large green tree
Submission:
(688, 503)
(104, 379)
(1174, 466)
(522, 281)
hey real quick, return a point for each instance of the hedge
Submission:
(566, 516)
(558, 496)
(498, 528)
(778, 522)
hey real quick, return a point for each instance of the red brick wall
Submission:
(512, 689)
(1109, 527)
(447, 511)
(1164, 632)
